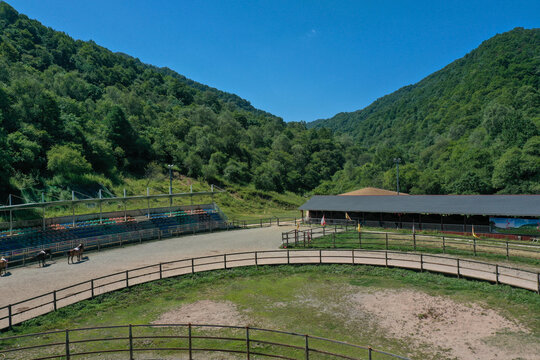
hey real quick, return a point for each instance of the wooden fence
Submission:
(23, 256)
(338, 237)
(189, 339)
(27, 309)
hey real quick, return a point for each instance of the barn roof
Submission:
(504, 205)
(371, 191)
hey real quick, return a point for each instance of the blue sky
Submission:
(301, 60)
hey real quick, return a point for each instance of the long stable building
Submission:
(519, 214)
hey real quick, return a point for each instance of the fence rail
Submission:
(27, 309)
(450, 228)
(340, 237)
(190, 339)
(27, 255)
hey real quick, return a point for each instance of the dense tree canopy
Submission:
(70, 108)
(463, 129)
(76, 115)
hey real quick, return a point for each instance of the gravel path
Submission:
(26, 282)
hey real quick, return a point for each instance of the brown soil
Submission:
(204, 312)
(463, 331)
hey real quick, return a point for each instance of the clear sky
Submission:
(301, 60)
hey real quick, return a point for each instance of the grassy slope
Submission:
(272, 297)
(239, 202)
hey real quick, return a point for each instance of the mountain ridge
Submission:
(490, 94)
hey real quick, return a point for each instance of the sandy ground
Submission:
(463, 331)
(25, 282)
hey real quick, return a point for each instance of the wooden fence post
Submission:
(352, 252)
(192, 266)
(288, 258)
(92, 288)
(54, 300)
(160, 271)
(369, 352)
(256, 259)
(10, 317)
(67, 345)
(497, 273)
(421, 262)
(458, 273)
(386, 258)
(189, 342)
(360, 239)
(130, 343)
(307, 347)
(127, 278)
(320, 256)
(247, 342)
(225, 261)
(507, 251)
(334, 239)
(386, 241)
(443, 246)
(414, 240)
(474, 246)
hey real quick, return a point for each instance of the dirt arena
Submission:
(29, 281)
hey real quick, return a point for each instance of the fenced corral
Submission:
(21, 257)
(27, 255)
(27, 309)
(486, 230)
(340, 237)
(192, 340)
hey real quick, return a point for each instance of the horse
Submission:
(41, 257)
(77, 251)
(3, 265)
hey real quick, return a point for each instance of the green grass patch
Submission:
(308, 299)
(377, 241)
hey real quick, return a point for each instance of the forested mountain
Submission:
(472, 127)
(74, 115)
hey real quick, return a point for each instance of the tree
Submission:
(67, 162)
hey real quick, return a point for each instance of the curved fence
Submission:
(189, 339)
(42, 304)
(21, 257)
(342, 237)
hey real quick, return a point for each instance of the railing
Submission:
(188, 339)
(338, 237)
(27, 309)
(459, 228)
(27, 255)
(255, 223)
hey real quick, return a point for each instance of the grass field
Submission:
(485, 250)
(314, 300)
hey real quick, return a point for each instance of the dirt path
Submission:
(26, 282)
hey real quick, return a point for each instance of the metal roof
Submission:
(509, 205)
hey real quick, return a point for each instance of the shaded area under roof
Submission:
(372, 191)
(509, 205)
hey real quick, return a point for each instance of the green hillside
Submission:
(76, 116)
(472, 127)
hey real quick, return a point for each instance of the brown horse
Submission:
(3, 265)
(78, 251)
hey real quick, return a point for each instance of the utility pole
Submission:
(170, 166)
(397, 161)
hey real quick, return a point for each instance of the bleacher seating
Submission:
(37, 237)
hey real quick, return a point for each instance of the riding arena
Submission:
(170, 276)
